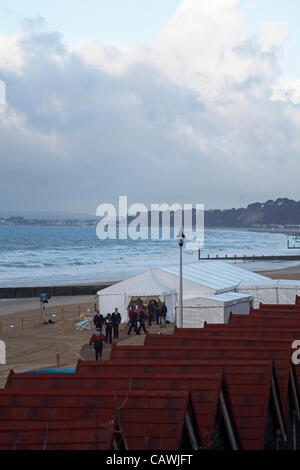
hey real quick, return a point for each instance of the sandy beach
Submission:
(287, 273)
(11, 306)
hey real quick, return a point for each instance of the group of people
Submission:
(137, 320)
(111, 324)
(155, 311)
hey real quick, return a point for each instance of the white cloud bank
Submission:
(200, 115)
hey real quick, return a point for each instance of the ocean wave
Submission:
(23, 265)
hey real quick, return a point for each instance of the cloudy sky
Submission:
(192, 101)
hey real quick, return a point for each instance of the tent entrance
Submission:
(142, 302)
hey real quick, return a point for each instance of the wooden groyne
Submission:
(54, 291)
(252, 258)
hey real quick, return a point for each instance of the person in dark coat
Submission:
(97, 339)
(108, 327)
(155, 310)
(163, 315)
(158, 311)
(150, 309)
(142, 319)
(98, 320)
(116, 320)
(134, 317)
(132, 309)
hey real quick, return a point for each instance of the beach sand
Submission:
(287, 273)
(37, 346)
(23, 305)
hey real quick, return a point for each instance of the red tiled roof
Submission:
(248, 383)
(286, 316)
(263, 322)
(277, 311)
(207, 338)
(280, 355)
(85, 435)
(150, 419)
(251, 325)
(168, 350)
(283, 307)
(170, 367)
(220, 331)
(205, 389)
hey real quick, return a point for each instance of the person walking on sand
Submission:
(108, 326)
(131, 310)
(142, 319)
(150, 309)
(98, 320)
(133, 322)
(97, 339)
(116, 320)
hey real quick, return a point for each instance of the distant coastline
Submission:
(22, 222)
(280, 216)
(288, 230)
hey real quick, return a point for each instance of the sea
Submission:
(49, 256)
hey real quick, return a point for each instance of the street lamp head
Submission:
(181, 234)
(181, 237)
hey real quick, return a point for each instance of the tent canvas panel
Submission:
(170, 301)
(108, 302)
(260, 294)
(216, 276)
(214, 309)
(190, 288)
(288, 295)
(276, 292)
(195, 317)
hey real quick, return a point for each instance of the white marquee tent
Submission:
(145, 286)
(202, 279)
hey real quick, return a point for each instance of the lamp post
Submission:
(181, 237)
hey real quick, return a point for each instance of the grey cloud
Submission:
(90, 136)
